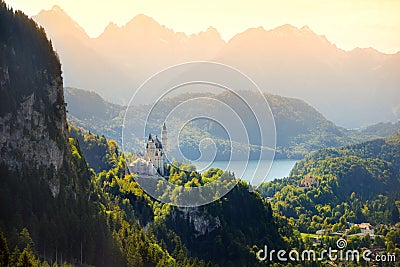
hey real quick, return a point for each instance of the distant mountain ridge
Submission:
(288, 61)
(300, 128)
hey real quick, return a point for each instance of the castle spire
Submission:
(164, 139)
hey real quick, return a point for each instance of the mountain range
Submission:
(300, 128)
(289, 61)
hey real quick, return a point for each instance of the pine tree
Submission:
(25, 240)
(4, 252)
(25, 259)
(394, 214)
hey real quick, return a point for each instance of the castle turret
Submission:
(150, 149)
(164, 139)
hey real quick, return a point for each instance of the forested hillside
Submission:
(330, 187)
(223, 232)
(383, 129)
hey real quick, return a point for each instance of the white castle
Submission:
(154, 160)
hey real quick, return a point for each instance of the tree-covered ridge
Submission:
(300, 128)
(387, 149)
(100, 153)
(27, 60)
(58, 225)
(333, 193)
(334, 188)
(223, 232)
(382, 129)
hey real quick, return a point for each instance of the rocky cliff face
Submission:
(33, 127)
(202, 223)
(26, 131)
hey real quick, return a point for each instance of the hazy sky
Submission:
(347, 23)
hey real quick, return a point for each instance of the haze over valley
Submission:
(300, 129)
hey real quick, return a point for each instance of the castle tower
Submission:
(150, 149)
(164, 139)
(159, 156)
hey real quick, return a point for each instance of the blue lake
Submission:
(279, 169)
